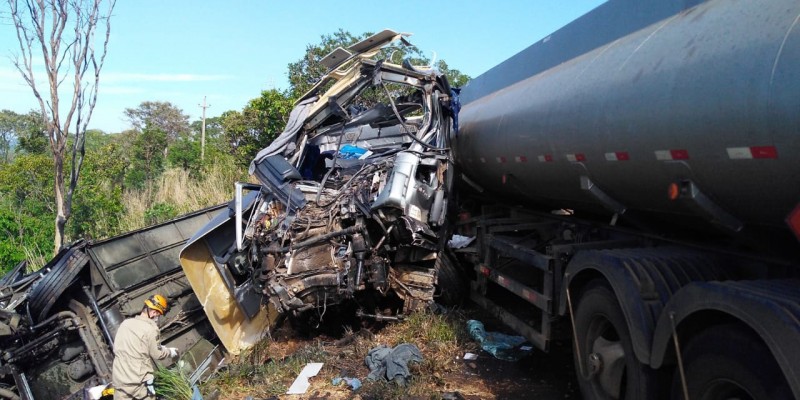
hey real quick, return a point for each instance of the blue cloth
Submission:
(500, 345)
(392, 364)
(354, 383)
(350, 152)
(196, 393)
(455, 107)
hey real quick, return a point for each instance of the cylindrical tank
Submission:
(710, 95)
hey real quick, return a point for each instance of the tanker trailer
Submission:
(636, 173)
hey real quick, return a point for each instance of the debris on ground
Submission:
(301, 384)
(354, 383)
(392, 364)
(502, 346)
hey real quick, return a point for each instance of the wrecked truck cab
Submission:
(349, 207)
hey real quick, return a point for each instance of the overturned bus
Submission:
(349, 207)
(57, 324)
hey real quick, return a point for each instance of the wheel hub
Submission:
(595, 364)
(607, 365)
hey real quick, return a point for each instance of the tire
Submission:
(730, 361)
(610, 368)
(51, 286)
(451, 285)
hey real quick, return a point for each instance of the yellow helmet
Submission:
(157, 302)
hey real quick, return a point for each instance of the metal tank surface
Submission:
(707, 100)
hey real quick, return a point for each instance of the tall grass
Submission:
(181, 193)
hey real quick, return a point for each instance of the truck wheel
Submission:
(610, 368)
(729, 362)
(52, 285)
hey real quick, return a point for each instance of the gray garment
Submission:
(392, 364)
(284, 144)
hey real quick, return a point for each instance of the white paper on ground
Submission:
(470, 356)
(301, 384)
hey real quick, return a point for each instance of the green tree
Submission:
(26, 209)
(98, 201)
(161, 115)
(148, 159)
(185, 153)
(455, 77)
(9, 132)
(32, 134)
(257, 125)
(305, 72)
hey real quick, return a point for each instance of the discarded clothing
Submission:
(392, 364)
(354, 383)
(502, 346)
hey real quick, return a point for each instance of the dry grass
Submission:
(181, 192)
(36, 256)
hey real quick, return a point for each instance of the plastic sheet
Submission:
(501, 346)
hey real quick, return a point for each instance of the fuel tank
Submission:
(707, 99)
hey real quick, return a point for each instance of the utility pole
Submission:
(203, 130)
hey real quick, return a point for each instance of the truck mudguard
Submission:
(770, 307)
(646, 278)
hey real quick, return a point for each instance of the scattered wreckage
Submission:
(57, 324)
(349, 208)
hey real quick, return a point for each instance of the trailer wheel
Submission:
(610, 368)
(729, 362)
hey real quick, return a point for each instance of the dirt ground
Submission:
(541, 376)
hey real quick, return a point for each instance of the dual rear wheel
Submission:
(722, 362)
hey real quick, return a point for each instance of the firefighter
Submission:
(136, 349)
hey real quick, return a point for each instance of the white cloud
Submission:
(116, 77)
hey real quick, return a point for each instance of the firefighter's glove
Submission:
(150, 388)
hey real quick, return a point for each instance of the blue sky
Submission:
(182, 50)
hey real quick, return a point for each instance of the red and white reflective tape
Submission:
(749, 153)
(500, 160)
(531, 296)
(618, 156)
(545, 158)
(667, 155)
(576, 157)
(501, 280)
(521, 159)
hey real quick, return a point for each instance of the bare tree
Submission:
(65, 32)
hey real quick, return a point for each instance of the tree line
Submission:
(151, 172)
